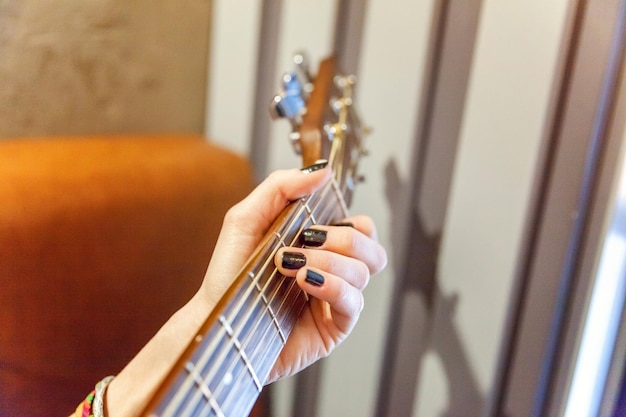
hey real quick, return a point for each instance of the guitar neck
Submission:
(227, 363)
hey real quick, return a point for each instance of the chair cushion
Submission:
(101, 240)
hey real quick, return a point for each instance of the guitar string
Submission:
(252, 329)
(179, 398)
(221, 329)
(190, 382)
(260, 354)
(197, 399)
(244, 342)
(235, 337)
(211, 348)
(219, 392)
(244, 338)
(329, 212)
(256, 351)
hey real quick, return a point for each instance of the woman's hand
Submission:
(333, 268)
(338, 262)
(334, 273)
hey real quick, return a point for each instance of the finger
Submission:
(349, 242)
(246, 223)
(362, 223)
(353, 271)
(346, 302)
(253, 216)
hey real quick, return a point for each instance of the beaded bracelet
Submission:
(87, 404)
(93, 406)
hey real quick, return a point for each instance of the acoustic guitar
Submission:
(224, 368)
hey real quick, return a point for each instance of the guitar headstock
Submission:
(324, 123)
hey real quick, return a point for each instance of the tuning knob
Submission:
(343, 81)
(304, 74)
(289, 104)
(335, 129)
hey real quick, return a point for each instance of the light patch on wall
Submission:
(602, 322)
(102, 67)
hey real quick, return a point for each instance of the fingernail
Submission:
(293, 260)
(346, 224)
(321, 164)
(313, 237)
(314, 278)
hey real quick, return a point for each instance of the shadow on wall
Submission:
(429, 327)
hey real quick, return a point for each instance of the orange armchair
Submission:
(101, 240)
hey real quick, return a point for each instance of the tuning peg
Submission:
(343, 81)
(289, 104)
(302, 68)
(335, 129)
(292, 84)
(284, 106)
(336, 104)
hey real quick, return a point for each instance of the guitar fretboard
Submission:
(225, 367)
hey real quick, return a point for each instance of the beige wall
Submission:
(509, 86)
(114, 66)
(102, 66)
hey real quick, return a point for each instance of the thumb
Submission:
(256, 213)
(246, 223)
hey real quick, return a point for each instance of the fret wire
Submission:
(339, 194)
(269, 259)
(267, 304)
(289, 316)
(242, 352)
(273, 296)
(291, 285)
(208, 352)
(308, 210)
(280, 239)
(269, 308)
(258, 320)
(200, 363)
(183, 390)
(265, 367)
(256, 349)
(238, 309)
(207, 358)
(190, 367)
(288, 305)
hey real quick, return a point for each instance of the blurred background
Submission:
(493, 172)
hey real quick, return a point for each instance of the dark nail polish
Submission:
(293, 260)
(346, 224)
(313, 237)
(315, 167)
(314, 278)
